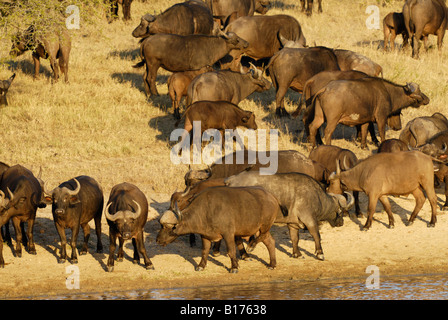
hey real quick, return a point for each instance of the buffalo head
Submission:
(233, 41)
(194, 176)
(256, 77)
(22, 42)
(125, 220)
(4, 86)
(434, 151)
(413, 91)
(63, 198)
(168, 221)
(143, 28)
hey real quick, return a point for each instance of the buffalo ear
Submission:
(48, 200)
(74, 200)
(245, 119)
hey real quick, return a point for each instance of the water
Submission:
(417, 287)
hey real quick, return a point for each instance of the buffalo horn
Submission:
(76, 191)
(148, 17)
(111, 217)
(338, 168)
(11, 195)
(136, 214)
(2, 196)
(351, 200)
(177, 211)
(445, 147)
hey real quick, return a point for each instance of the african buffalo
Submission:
(20, 196)
(422, 18)
(182, 53)
(292, 67)
(54, 46)
(392, 145)
(113, 10)
(360, 101)
(126, 213)
(226, 85)
(308, 6)
(178, 84)
(189, 17)
(228, 10)
(350, 60)
(306, 202)
(263, 35)
(285, 160)
(4, 87)
(442, 175)
(75, 203)
(420, 129)
(219, 115)
(437, 146)
(225, 213)
(383, 174)
(393, 25)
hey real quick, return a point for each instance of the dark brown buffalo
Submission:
(305, 200)
(420, 129)
(422, 18)
(225, 213)
(263, 35)
(4, 87)
(383, 174)
(220, 115)
(350, 60)
(189, 17)
(113, 10)
(308, 6)
(74, 204)
(20, 196)
(126, 213)
(361, 101)
(292, 67)
(393, 25)
(178, 84)
(182, 53)
(228, 10)
(392, 145)
(226, 85)
(239, 161)
(327, 156)
(54, 46)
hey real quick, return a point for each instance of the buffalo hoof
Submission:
(110, 268)
(120, 259)
(33, 252)
(444, 208)
(61, 260)
(391, 226)
(233, 270)
(431, 225)
(271, 267)
(199, 269)
(216, 253)
(320, 257)
(19, 254)
(410, 223)
(297, 255)
(82, 252)
(74, 261)
(365, 228)
(150, 267)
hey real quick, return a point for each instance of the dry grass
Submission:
(102, 124)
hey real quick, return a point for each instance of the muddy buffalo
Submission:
(225, 213)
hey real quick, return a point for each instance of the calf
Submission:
(20, 195)
(218, 115)
(393, 25)
(75, 203)
(126, 213)
(225, 213)
(4, 87)
(384, 174)
(52, 46)
(178, 84)
(303, 198)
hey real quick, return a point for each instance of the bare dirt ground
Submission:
(348, 251)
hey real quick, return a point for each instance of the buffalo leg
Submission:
(370, 211)
(18, 230)
(357, 208)
(320, 6)
(2, 261)
(29, 234)
(294, 235)
(112, 247)
(120, 254)
(62, 236)
(445, 206)
(386, 204)
(419, 201)
(99, 243)
(36, 65)
(269, 242)
(73, 240)
(140, 246)
(206, 244)
(231, 251)
(279, 98)
(313, 229)
(315, 125)
(86, 231)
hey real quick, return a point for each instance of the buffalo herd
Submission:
(219, 53)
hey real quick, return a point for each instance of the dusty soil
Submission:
(348, 251)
